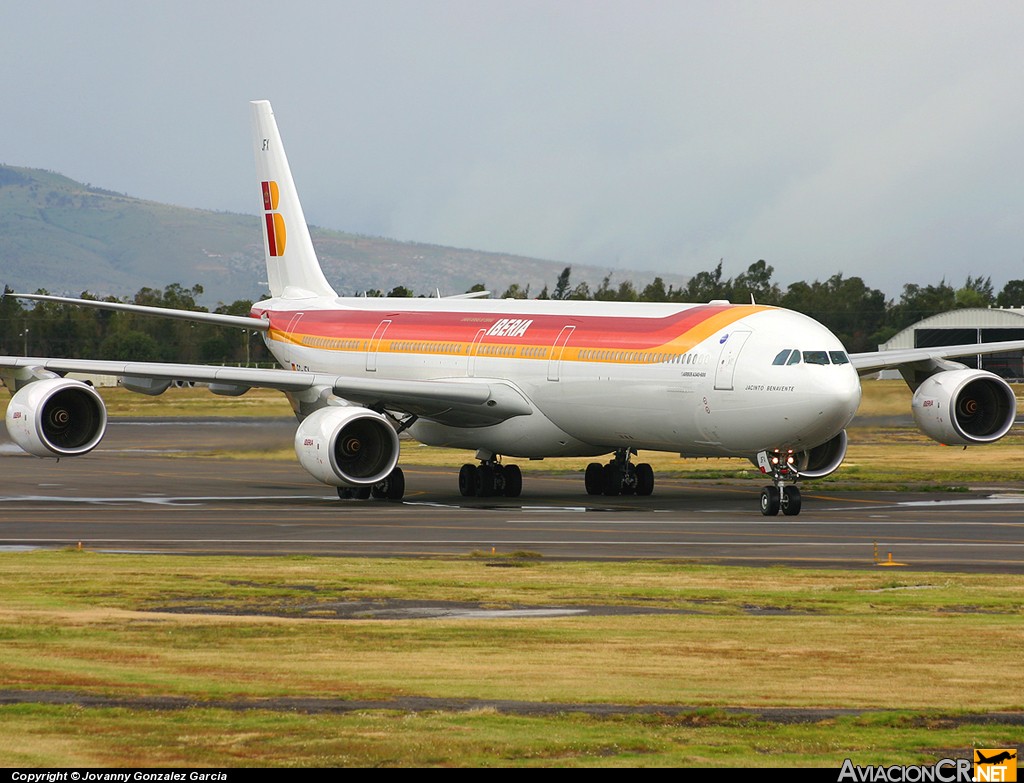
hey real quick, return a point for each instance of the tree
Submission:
(627, 292)
(604, 292)
(515, 292)
(581, 291)
(654, 291)
(756, 282)
(917, 302)
(400, 291)
(705, 286)
(1012, 294)
(12, 318)
(854, 312)
(976, 292)
(131, 346)
(562, 290)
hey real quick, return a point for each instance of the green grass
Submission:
(35, 735)
(925, 647)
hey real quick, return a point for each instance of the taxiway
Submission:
(142, 492)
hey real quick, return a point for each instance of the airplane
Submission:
(996, 759)
(520, 378)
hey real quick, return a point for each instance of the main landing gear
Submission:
(781, 495)
(490, 478)
(619, 476)
(390, 488)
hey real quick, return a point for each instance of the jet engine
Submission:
(824, 459)
(347, 447)
(57, 417)
(964, 407)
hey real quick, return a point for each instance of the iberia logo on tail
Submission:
(275, 221)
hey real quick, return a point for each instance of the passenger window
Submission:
(795, 358)
(781, 358)
(816, 357)
(839, 357)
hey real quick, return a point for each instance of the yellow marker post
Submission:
(889, 562)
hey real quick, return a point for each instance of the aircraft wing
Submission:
(466, 400)
(866, 363)
(237, 321)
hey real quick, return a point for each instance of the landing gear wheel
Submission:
(594, 478)
(612, 480)
(484, 481)
(513, 481)
(353, 493)
(467, 480)
(791, 501)
(644, 479)
(394, 485)
(770, 501)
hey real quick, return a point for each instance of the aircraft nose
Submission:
(843, 397)
(829, 408)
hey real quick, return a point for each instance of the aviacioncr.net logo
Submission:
(943, 771)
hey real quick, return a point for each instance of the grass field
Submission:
(235, 636)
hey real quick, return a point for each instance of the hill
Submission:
(69, 237)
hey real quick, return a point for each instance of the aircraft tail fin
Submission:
(293, 270)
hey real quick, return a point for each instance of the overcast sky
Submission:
(879, 139)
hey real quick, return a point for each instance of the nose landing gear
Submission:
(784, 494)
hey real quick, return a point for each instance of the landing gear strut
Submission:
(619, 476)
(784, 494)
(390, 488)
(490, 478)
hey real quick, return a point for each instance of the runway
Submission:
(142, 492)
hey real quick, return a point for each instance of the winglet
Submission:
(293, 270)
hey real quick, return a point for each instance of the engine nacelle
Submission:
(347, 447)
(824, 459)
(57, 417)
(964, 407)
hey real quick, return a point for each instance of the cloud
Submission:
(873, 138)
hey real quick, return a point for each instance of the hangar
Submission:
(970, 325)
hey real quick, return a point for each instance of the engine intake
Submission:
(964, 407)
(57, 417)
(347, 447)
(824, 459)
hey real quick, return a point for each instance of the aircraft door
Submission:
(555, 359)
(293, 323)
(290, 341)
(732, 344)
(471, 359)
(374, 345)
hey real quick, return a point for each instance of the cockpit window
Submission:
(781, 358)
(839, 357)
(816, 357)
(795, 358)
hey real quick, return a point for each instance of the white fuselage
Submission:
(700, 380)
